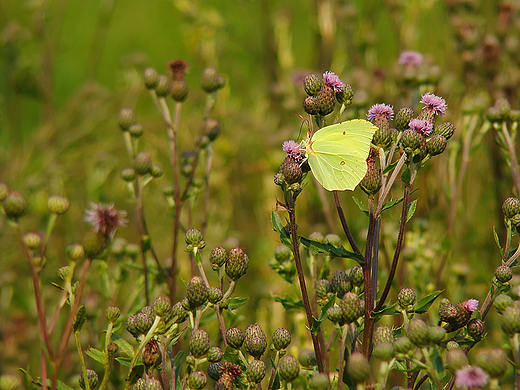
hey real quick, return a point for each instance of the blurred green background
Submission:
(68, 67)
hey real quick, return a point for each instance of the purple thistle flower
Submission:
(471, 305)
(470, 377)
(293, 149)
(333, 81)
(105, 218)
(434, 103)
(421, 126)
(380, 111)
(410, 57)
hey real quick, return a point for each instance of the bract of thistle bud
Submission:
(162, 307)
(215, 354)
(196, 292)
(210, 81)
(126, 118)
(256, 371)
(436, 145)
(402, 344)
(164, 86)
(340, 283)
(64, 272)
(319, 381)
(15, 206)
(75, 251)
(356, 276)
(235, 337)
(94, 243)
(211, 129)
(503, 273)
(156, 171)
(406, 298)
(150, 78)
(502, 302)
(281, 338)
(384, 351)
(57, 204)
(326, 100)
(197, 380)
(403, 118)
(151, 356)
(311, 105)
(307, 357)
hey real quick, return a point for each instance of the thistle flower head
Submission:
(421, 126)
(471, 377)
(380, 111)
(178, 68)
(410, 57)
(434, 103)
(333, 81)
(471, 305)
(293, 149)
(105, 218)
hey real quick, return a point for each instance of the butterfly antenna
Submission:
(306, 122)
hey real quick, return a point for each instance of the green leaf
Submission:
(360, 205)
(198, 258)
(385, 311)
(438, 364)
(276, 382)
(323, 312)
(390, 167)
(410, 210)
(330, 250)
(391, 203)
(406, 175)
(280, 229)
(97, 355)
(124, 346)
(497, 241)
(236, 302)
(289, 302)
(424, 304)
(127, 362)
(136, 373)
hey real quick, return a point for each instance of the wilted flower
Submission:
(434, 103)
(410, 57)
(178, 68)
(105, 218)
(421, 126)
(470, 377)
(380, 111)
(293, 149)
(333, 81)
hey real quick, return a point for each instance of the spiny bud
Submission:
(346, 95)
(418, 332)
(356, 276)
(436, 145)
(94, 243)
(319, 381)
(511, 207)
(288, 368)
(326, 100)
(371, 182)
(292, 172)
(32, 240)
(281, 338)
(383, 334)
(128, 174)
(197, 380)
(131, 326)
(358, 367)
(256, 371)
(211, 81)
(502, 302)
(307, 357)
(445, 129)
(312, 84)
(57, 204)
(126, 118)
(80, 318)
(15, 206)
(476, 328)
(255, 346)
(218, 257)
(311, 106)
(503, 273)
(193, 237)
(351, 308)
(196, 292)
(335, 315)
(494, 362)
(410, 140)
(215, 294)
(151, 356)
(179, 313)
(4, 191)
(235, 337)
(142, 163)
(402, 344)
(150, 77)
(383, 136)
(92, 379)
(464, 312)
(143, 322)
(510, 321)
(323, 289)
(164, 86)
(161, 306)
(113, 313)
(456, 359)
(406, 298)
(403, 118)
(215, 354)
(214, 370)
(384, 351)
(447, 311)
(179, 91)
(199, 343)
(436, 334)
(211, 129)
(237, 264)
(340, 283)
(156, 171)
(282, 253)
(254, 330)
(452, 344)
(64, 272)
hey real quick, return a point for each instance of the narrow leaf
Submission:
(236, 302)
(390, 167)
(289, 302)
(360, 205)
(410, 210)
(97, 355)
(280, 229)
(124, 361)
(330, 249)
(424, 304)
(497, 241)
(124, 346)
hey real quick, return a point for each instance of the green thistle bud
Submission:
(511, 207)
(494, 362)
(199, 343)
(281, 338)
(211, 81)
(312, 84)
(445, 129)
(162, 307)
(418, 332)
(92, 379)
(113, 313)
(256, 371)
(215, 294)
(493, 115)
(351, 307)
(131, 326)
(326, 100)
(151, 356)
(180, 90)
(193, 237)
(136, 130)
(358, 367)
(452, 344)
(164, 86)
(292, 172)
(237, 264)
(340, 283)
(465, 310)
(32, 240)
(150, 78)
(57, 204)
(319, 381)
(371, 182)
(514, 115)
(403, 118)
(288, 368)
(346, 95)
(4, 191)
(447, 311)
(456, 359)
(197, 380)
(383, 334)
(411, 140)
(436, 334)
(255, 346)
(333, 239)
(502, 302)
(64, 272)
(143, 322)
(335, 315)
(356, 276)
(211, 129)
(476, 328)
(80, 318)
(179, 313)
(384, 351)
(279, 179)
(311, 106)
(132, 251)
(214, 371)
(402, 344)
(75, 251)
(323, 289)
(282, 253)
(307, 357)
(406, 298)
(94, 244)
(235, 337)
(503, 273)
(215, 354)
(383, 137)
(196, 292)
(128, 174)
(436, 145)
(9, 382)
(503, 107)
(15, 206)
(126, 118)
(218, 257)
(142, 163)
(510, 321)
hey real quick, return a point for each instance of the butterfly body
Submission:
(337, 154)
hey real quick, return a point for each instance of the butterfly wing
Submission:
(337, 154)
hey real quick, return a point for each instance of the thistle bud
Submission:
(323, 289)
(502, 302)
(446, 129)
(288, 368)
(456, 359)
(255, 346)
(312, 84)
(150, 78)
(199, 343)
(126, 118)
(128, 174)
(351, 307)
(511, 207)
(311, 106)
(211, 81)
(371, 182)
(436, 145)
(143, 322)
(510, 321)
(193, 237)
(218, 257)
(292, 172)
(319, 381)
(384, 351)
(256, 371)
(164, 86)
(235, 337)
(113, 313)
(335, 315)
(211, 129)
(281, 338)
(402, 344)
(4, 191)
(94, 243)
(215, 294)
(161, 307)
(436, 334)
(142, 163)
(179, 313)
(358, 367)
(64, 272)
(403, 118)
(406, 298)
(326, 100)
(179, 91)
(215, 354)
(282, 253)
(151, 356)
(383, 334)
(32, 240)
(196, 292)
(214, 371)
(356, 276)
(237, 264)
(15, 206)
(340, 283)
(197, 380)
(92, 379)
(418, 332)
(156, 171)
(494, 362)
(503, 273)
(346, 95)
(57, 204)
(307, 357)
(476, 328)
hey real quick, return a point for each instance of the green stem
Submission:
(431, 368)
(81, 360)
(147, 338)
(107, 365)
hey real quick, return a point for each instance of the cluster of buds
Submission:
(501, 112)
(511, 210)
(293, 167)
(456, 316)
(341, 283)
(283, 263)
(324, 93)
(350, 308)
(421, 334)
